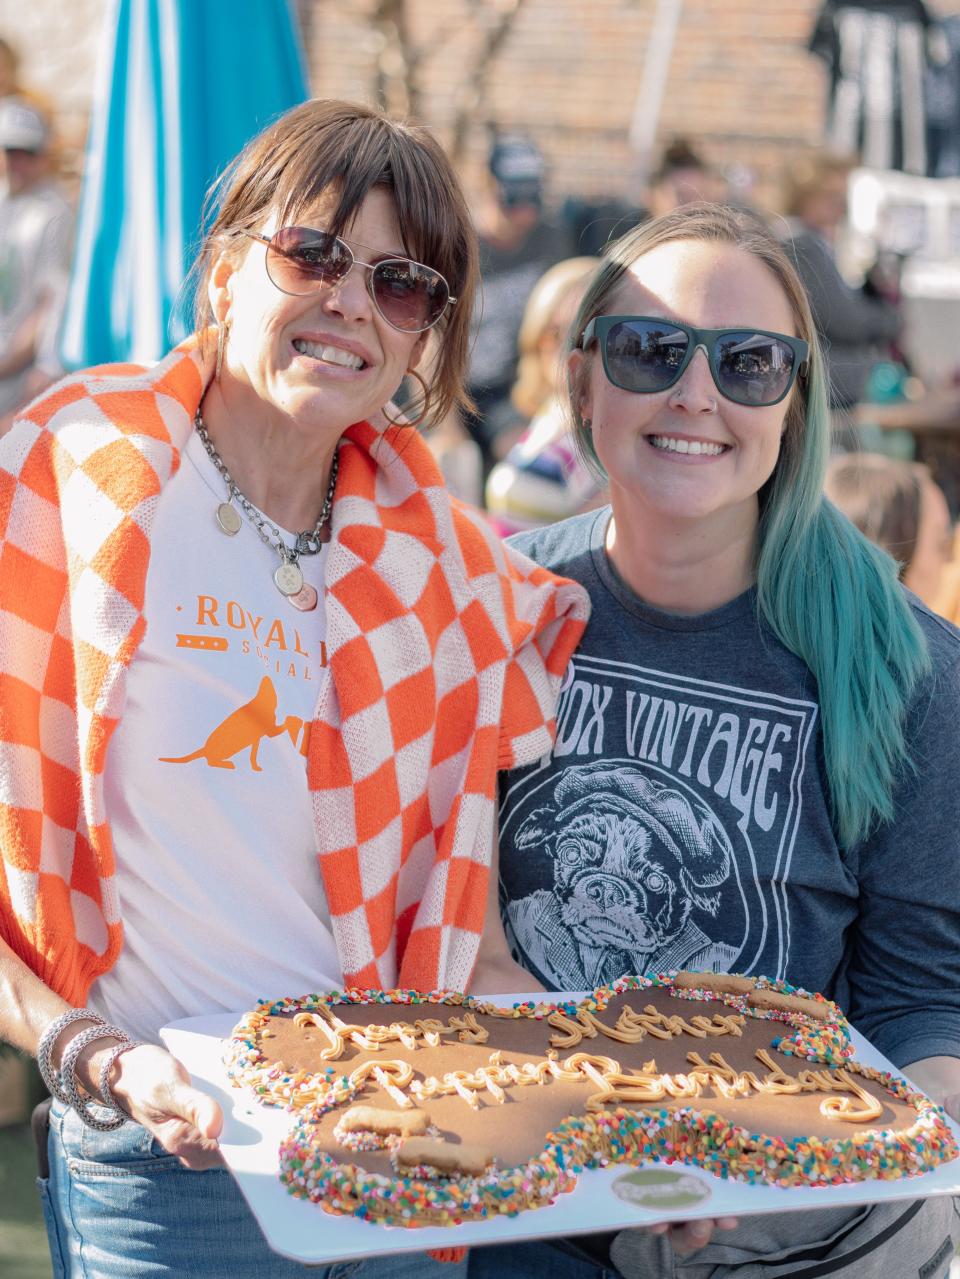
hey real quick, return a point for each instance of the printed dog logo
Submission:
(243, 729)
(633, 857)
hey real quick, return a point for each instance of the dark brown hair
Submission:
(352, 149)
(678, 154)
(882, 496)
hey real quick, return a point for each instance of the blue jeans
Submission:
(538, 1259)
(117, 1206)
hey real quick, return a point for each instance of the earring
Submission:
(586, 423)
(425, 408)
(221, 344)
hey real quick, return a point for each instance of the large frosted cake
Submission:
(432, 1109)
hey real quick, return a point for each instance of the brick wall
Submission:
(741, 84)
(58, 42)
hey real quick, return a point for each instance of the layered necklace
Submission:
(288, 575)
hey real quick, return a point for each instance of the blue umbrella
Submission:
(181, 87)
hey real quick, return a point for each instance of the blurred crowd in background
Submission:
(897, 470)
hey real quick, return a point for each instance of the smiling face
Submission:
(319, 362)
(687, 453)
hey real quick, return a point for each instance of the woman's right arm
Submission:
(148, 1082)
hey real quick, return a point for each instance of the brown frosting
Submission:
(502, 1083)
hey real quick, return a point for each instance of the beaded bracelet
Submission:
(51, 1077)
(78, 1100)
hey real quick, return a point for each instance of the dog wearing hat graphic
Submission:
(634, 860)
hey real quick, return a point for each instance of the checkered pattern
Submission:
(80, 474)
(446, 653)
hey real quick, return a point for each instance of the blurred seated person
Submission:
(593, 222)
(517, 244)
(36, 241)
(456, 454)
(11, 85)
(947, 602)
(9, 69)
(855, 324)
(682, 177)
(898, 506)
(543, 478)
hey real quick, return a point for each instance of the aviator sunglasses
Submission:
(411, 297)
(644, 354)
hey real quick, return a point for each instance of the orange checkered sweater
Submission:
(446, 651)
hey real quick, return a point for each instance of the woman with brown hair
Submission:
(259, 675)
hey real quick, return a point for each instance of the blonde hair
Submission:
(806, 177)
(882, 496)
(718, 224)
(551, 291)
(827, 593)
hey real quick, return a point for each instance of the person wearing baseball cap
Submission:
(22, 127)
(517, 167)
(517, 244)
(36, 240)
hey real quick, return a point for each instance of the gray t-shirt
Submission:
(682, 819)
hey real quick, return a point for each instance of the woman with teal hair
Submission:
(754, 671)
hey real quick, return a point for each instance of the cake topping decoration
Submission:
(648, 1096)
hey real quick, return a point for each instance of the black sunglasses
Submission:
(411, 297)
(644, 354)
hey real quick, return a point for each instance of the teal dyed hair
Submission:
(827, 593)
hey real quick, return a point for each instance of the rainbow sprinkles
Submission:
(433, 1109)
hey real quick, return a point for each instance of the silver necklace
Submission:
(288, 575)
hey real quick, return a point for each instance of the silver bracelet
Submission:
(71, 1086)
(51, 1077)
(105, 1090)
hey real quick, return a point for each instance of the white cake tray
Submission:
(302, 1231)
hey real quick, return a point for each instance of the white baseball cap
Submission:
(22, 127)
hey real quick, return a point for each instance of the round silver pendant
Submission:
(305, 599)
(228, 517)
(288, 578)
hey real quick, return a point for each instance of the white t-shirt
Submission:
(221, 895)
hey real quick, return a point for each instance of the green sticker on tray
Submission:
(661, 1189)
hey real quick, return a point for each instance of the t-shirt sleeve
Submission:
(904, 969)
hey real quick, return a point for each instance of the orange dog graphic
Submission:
(243, 729)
